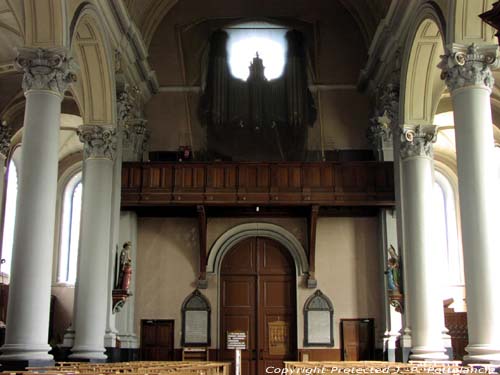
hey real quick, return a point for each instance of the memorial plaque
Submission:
(319, 327)
(196, 320)
(236, 340)
(318, 319)
(196, 328)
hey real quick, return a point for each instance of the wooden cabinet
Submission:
(157, 340)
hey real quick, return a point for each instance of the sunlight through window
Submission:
(10, 218)
(246, 40)
(70, 230)
(446, 230)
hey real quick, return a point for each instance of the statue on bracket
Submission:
(123, 277)
(394, 279)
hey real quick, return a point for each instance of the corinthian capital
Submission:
(46, 69)
(417, 142)
(99, 142)
(468, 66)
(380, 131)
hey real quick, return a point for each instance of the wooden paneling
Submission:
(325, 184)
(131, 182)
(357, 339)
(456, 322)
(157, 340)
(320, 355)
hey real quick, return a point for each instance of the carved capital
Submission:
(135, 140)
(46, 69)
(468, 66)
(388, 102)
(128, 104)
(5, 136)
(386, 115)
(380, 131)
(99, 142)
(417, 142)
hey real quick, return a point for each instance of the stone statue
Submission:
(125, 268)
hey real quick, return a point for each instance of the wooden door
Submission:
(358, 339)
(157, 340)
(258, 297)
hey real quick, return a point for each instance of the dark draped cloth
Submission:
(258, 119)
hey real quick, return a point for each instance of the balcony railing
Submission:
(233, 184)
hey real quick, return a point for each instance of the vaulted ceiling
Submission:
(147, 14)
(10, 35)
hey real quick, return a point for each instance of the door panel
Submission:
(358, 339)
(238, 314)
(157, 340)
(258, 289)
(240, 259)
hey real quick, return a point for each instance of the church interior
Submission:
(293, 181)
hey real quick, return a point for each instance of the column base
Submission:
(110, 338)
(482, 354)
(25, 352)
(69, 338)
(128, 341)
(423, 353)
(22, 365)
(87, 353)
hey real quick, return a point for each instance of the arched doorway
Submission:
(258, 296)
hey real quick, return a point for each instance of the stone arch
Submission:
(94, 90)
(240, 232)
(422, 86)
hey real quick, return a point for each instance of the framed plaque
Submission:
(196, 320)
(318, 320)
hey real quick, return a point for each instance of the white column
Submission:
(420, 264)
(91, 297)
(114, 244)
(46, 76)
(125, 317)
(469, 79)
(380, 135)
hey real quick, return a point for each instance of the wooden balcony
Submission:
(366, 184)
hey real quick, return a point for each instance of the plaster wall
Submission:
(346, 268)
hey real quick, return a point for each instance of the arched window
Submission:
(10, 217)
(70, 230)
(446, 230)
(251, 38)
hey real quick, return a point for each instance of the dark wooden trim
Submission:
(202, 233)
(312, 220)
(249, 212)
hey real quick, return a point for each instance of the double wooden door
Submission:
(258, 287)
